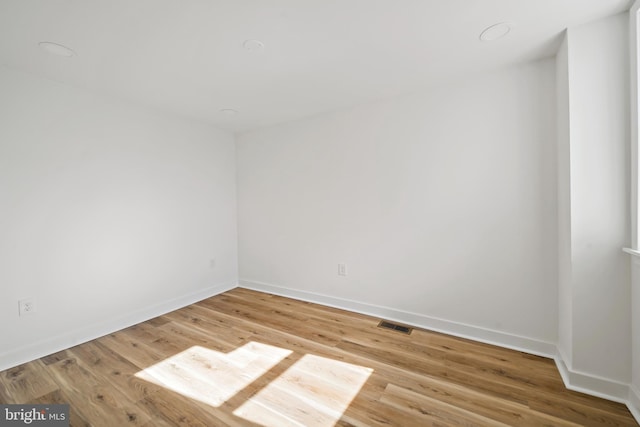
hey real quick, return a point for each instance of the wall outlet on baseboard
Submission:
(26, 306)
(342, 269)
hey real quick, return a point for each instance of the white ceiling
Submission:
(186, 56)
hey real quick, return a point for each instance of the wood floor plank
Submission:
(246, 358)
(136, 352)
(55, 357)
(433, 411)
(95, 400)
(158, 321)
(25, 382)
(59, 398)
(579, 413)
(177, 410)
(112, 368)
(224, 330)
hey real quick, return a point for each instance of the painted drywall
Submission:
(634, 391)
(599, 150)
(634, 55)
(109, 214)
(441, 204)
(564, 206)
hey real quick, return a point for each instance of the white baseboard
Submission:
(502, 339)
(634, 402)
(591, 384)
(43, 348)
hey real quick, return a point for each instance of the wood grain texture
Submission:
(245, 358)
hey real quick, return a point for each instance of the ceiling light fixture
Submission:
(56, 49)
(495, 32)
(253, 45)
(228, 111)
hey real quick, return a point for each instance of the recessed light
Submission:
(56, 49)
(253, 45)
(495, 32)
(228, 111)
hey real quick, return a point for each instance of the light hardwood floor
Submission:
(249, 358)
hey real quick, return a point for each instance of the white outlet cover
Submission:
(342, 269)
(26, 306)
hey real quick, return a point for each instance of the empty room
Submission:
(319, 213)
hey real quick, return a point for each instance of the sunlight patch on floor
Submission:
(314, 392)
(213, 377)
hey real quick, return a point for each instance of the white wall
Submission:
(599, 151)
(634, 392)
(109, 214)
(565, 295)
(441, 204)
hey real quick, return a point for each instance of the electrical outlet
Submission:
(342, 269)
(26, 306)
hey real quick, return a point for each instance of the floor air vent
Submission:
(394, 327)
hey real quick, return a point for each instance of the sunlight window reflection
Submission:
(213, 377)
(314, 392)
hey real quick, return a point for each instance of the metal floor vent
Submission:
(395, 327)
